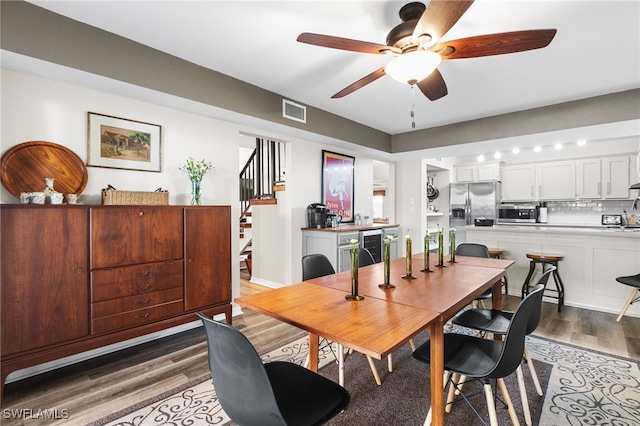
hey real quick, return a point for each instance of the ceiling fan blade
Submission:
(360, 83)
(495, 44)
(345, 43)
(439, 17)
(433, 87)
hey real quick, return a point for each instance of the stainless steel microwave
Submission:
(517, 213)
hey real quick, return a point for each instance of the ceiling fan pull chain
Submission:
(413, 106)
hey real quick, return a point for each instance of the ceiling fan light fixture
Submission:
(412, 67)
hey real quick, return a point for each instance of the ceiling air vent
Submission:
(294, 111)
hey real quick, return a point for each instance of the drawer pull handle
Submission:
(139, 289)
(143, 302)
(146, 315)
(140, 213)
(142, 274)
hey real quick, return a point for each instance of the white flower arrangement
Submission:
(196, 169)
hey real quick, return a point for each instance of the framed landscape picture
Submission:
(337, 183)
(120, 143)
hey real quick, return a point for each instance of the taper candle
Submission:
(452, 239)
(426, 251)
(408, 260)
(440, 248)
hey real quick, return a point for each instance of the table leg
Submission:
(340, 364)
(525, 286)
(437, 372)
(313, 352)
(496, 295)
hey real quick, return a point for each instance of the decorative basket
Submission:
(112, 196)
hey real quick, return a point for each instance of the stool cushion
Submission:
(544, 257)
(632, 280)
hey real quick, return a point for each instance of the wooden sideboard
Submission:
(75, 278)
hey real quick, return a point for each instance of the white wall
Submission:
(410, 193)
(37, 109)
(276, 251)
(34, 108)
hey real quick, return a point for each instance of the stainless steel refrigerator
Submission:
(470, 201)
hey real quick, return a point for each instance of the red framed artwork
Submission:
(337, 184)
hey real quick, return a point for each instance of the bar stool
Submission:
(631, 281)
(544, 260)
(497, 254)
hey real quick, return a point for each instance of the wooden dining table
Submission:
(386, 318)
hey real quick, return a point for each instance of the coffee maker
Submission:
(317, 215)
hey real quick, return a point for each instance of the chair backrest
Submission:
(513, 341)
(534, 318)
(316, 265)
(473, 250)
(239, 377)
(365, 257)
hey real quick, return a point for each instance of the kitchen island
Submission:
(593, 258)
(335, 243)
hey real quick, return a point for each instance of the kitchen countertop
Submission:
(558, 229)
(348, 227)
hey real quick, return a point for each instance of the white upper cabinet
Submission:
(616, 174)
(482, 172)
(556, 180)
(488, 172)
(518, 182)
(466, 173)
(589, 179)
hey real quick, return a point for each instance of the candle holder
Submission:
(386, 258)
(452, 245)
(440, 250)
(408, 275)
(426, 254)
(354, 273)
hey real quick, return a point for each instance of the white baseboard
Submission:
(267, 283)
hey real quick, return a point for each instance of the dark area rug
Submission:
(404, 396)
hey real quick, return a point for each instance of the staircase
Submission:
(261, 177)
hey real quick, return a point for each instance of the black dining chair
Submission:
(475, 250)
(497, 322)
(632, 281)
(482, 359)
(316, 265)
(365, 258)
(274, 393)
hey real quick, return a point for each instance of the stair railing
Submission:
(263, 169)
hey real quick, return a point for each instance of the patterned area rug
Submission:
(581, 387)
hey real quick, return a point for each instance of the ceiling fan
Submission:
(414, 43)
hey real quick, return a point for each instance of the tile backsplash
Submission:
(585, 212)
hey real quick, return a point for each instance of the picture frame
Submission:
(338, 183)
(121, 143)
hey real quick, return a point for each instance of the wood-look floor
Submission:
(101, 386)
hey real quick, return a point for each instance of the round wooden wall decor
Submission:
(25, 166)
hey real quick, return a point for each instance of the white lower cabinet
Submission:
(336, 245)
(592, 261)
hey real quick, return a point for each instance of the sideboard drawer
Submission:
(136, 318)
(131, 303)
(125, 281)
